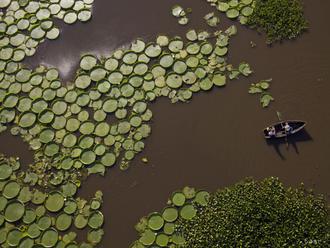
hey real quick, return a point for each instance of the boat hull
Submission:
(280, 131)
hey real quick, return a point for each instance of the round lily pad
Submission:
(5, 171)
(59, 107)
(44, 222)
(29, 216)
(11, 189)
(188, 212)
(170, 214)
(110, 105)
(148, 237)
(162, 240)
(219, 80)
(174, 81)
(178, 199)
(153, 50)
(14, 237)
(232, 13)
(108, 159)
(70, 207)
(202, 198)
(87, 157)
(63, 222)
(95, 236)
(54, 201)
(51, 149)
(14, 211)
(80, 221)
(83, 81)
(95, 220)
(155, 221)
(49, 238)
(247, 11)
(27, 119)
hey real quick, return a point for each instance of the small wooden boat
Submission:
(280, 132)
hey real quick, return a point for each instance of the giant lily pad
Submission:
(54, 201)
(232, 13)
(170, 214)
(11, 189)
(14, 211)
(5, 171)
(49, 238)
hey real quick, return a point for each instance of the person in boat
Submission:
(271, 131)
(287, 128)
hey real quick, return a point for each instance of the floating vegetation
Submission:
(69, 128)
(261, 213)
(235, 9)
(180, 14)
(211, 19)
(30, 217)
(26, 24)
(158, 228)
(261, 88)
(280, 19)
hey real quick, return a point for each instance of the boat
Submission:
(280, 132)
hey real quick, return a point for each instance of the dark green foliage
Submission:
(280, 19)
(259, 214)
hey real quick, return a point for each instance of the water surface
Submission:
(215, 140)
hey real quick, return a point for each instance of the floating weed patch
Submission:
(261, 213)
(68, 128)
(280, 19)
(42, 216)
(158, 228)
(261, 88)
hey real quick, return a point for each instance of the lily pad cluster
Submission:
(255, 213)
(181, 14)
(211, 19)
(158, 229)
(261, 88)
(104, 114)
(235, 9)
(279, 19)
(31, 217)
(25, 24)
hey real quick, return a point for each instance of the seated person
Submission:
(271, 131)
(287, 127)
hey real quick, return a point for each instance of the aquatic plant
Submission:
(181, 14)
(261, 88)
(211, 19)
(158, 228)
(25, 24)
(279, 19)
(30, 216)
(69, 126)
(248, 214)
(259, 214)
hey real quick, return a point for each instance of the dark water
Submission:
(215, 140)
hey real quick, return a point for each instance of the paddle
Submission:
(279, 116)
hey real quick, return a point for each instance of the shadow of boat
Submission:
(291, 141)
